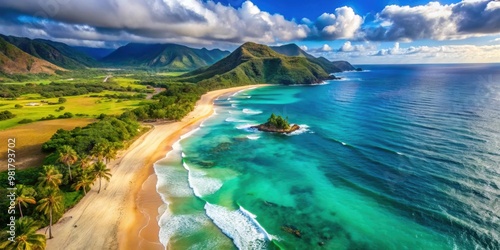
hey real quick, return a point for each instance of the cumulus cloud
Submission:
(445, 53)
(399, 53)
(186, 20)
(303, 47)
(436, 21)
(325, 48)
(349, 47)
(343, 24)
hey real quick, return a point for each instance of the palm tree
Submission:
(85, 182)
(52, 202)
(25, 196)
(101, 171)
(26, 236)
(50, 177)
(98, 150)
(85, 162)
(110, 152)
(68, 157)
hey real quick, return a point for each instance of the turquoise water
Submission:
(396, 157)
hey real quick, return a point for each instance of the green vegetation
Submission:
(5, 115)
(254, 63)
(56, 53)
(26, 236)
(328, 66)
(277, 122)
(171, 57)
(76, 160)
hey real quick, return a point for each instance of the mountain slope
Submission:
(57, 53)
(256, 63)
(329, 66)
(96, 53)
(291, 50)
(167, 56)
(15, 61)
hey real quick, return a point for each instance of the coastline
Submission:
(121, 216)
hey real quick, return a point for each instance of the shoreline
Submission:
(144, 233)
(121, 216)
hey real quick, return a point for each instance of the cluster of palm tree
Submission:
(85, 170)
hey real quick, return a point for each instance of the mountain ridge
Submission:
(293, 49)
(167, 56)
(15, 61)
(256, 63)
(56, 53)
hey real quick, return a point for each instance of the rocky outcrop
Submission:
(266, 128)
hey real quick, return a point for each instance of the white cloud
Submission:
(343, 24)
(186, 20)
(348, 47)
(436, 21)
(303, 47)
(325, 48)
(414, 54)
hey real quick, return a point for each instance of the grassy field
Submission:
(125, 82)
(30, 137)
(92, 106)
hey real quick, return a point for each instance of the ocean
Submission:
(394, 157)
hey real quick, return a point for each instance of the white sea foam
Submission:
(190, 133)
(249, 96)
(184, 224)
(232, 119)
(239, 226)
(201, 184)
(343, 143)
(303, 129)
(247, 127)
(253, 137)
(171, 182)
(252, 112)
(399, 153)
(234, 105)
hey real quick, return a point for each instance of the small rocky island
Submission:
(277, 124)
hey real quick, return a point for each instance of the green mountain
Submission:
(291, 50)
(256, 63)
(329, 66)
(15, 61)
(57, 53)
(96, 53)
(166, 56)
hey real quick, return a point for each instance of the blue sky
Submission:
(362, 32)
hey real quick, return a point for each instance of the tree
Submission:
(26, 236)
(62, 100)
(101, 171)
(98, 150)
(50, 177)
(18, 106)
(84, 182)
(52, 202)
(25, 195)
(85, 162)
(68, 157)
(110, 151)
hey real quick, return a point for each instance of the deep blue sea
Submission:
(394, 157)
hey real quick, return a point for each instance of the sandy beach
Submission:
(123, 215)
